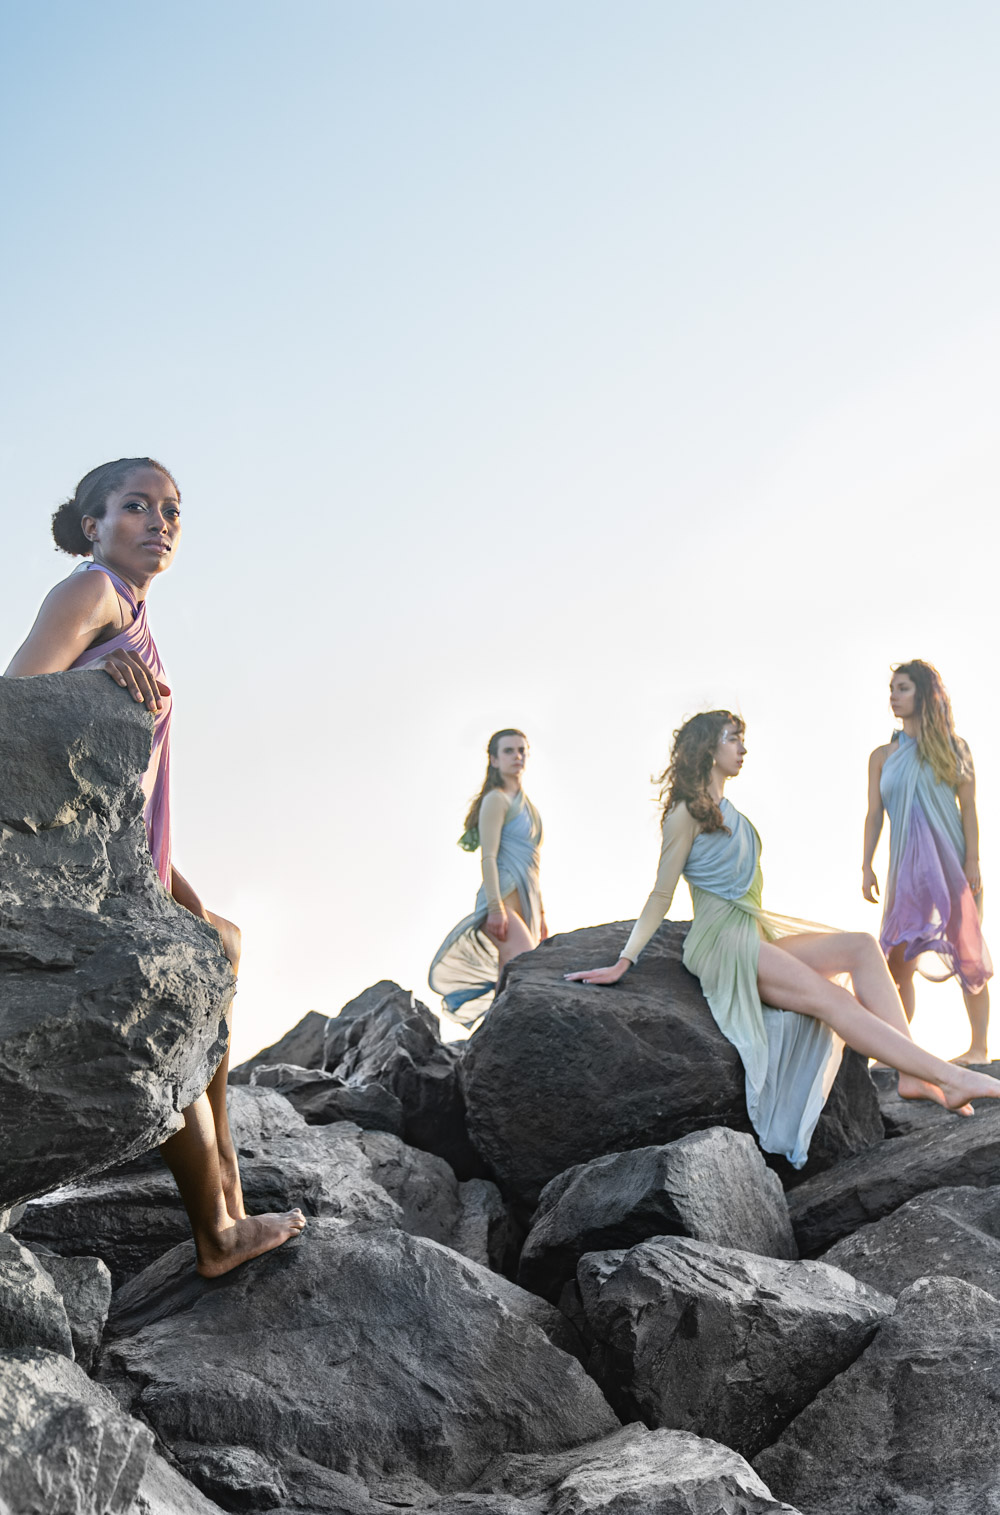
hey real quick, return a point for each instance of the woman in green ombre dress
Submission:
(749, 959)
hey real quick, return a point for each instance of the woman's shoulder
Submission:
(880, 754)
(86, 592)
(496, 800)
(679, 821)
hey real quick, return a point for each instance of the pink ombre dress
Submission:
(156, 780)
(929, 905)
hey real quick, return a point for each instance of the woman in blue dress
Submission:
(508, 917)
(749, 960)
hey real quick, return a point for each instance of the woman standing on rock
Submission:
(509, 917)
(933, 906)
(125, 518)
(749, 960)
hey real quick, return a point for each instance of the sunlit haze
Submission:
(567, 365)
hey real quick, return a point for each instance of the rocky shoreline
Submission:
(547, 1272)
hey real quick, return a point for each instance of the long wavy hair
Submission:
(692, 754)
(938, 744)
(470, 836)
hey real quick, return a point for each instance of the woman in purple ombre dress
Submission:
(125, 519)
(925, 780)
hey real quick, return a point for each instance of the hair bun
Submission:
(68, 532)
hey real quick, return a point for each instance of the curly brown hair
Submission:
(692, 754)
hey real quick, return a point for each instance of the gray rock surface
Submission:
(65, 1447)
(84, 1284)
(864, 1188)
(913, 1426)
(952, 1233)
(387, 1037)
(113, 995)
(633, 1472)
(32, 1313)
(239, 1477)
(727, 1344)
(559, 1074)
(713, 1185)
(303, 1046)
(372, 1354)
(164, 1491)
(325, 1097)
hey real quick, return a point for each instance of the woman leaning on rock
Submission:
(124, 519)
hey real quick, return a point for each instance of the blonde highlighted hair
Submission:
(938, 744)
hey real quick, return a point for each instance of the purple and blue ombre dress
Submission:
(156, 780)
(929, 905)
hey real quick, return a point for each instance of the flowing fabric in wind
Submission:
(466, 965)
(790, 1060)
(156, 780)
(928, 902)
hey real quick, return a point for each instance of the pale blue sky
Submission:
(569, 365)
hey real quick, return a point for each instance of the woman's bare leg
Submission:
(229, 1168)
(977, 1008)
(519, 938)
(793, 975)
(902, 973)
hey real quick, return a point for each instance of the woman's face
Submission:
(140, 528)
(902, 696)
(730, 752)
(512, 754)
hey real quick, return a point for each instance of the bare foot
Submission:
(967, 1085)
(910, 1087)
(250, 1237)
(974, 1055)
(231, 1187)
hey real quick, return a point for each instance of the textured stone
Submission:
(952, 1233)
(238, 1477)
(375, 1354)
(84, 1283)
(65, 1446)
(387, 1037)
(913, 1426)
(303, 1046)
(114, 997)
(469, 1217)
(32, 1313)
(872, 1184)
(559, 1073)
(325, 1097)
(164, 1491)
(727, 1344)
(712, 1185)
(633, 1472)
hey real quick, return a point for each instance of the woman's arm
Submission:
(873, 825)
(73, 616)
(492, 813)
(679, 832)
(966, 792)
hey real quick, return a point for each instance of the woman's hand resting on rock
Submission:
(128, 670)
(601, 975)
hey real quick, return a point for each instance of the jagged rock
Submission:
(84, 1283)
(712, 1185)
(259, 1116)
(65, 1446)
(371, 1354)
(238, 1478)
(727, 1344)
(952, 1233)
(866, 1187)
(131, 1219)
(32, 1313)
(164, 1492)
(913, 1426)
(114, 997)
(469, 1217)
(631, 1472)
(303, 1046)
(9, 1218)
(325, 1097)
(559, 1073)
(387, 1037)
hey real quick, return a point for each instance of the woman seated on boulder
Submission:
(125, 518)
(749, 960)
(508, 917)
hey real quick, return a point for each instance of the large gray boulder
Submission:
(965, 1152)
(322, 1098)
(32, 1312)
(727, 1344)
(631, 1472)
(913, 1426)
(559, 1073)
(712, 1185)
(303, 1046)
(84, 1285)
(114, 997)
(953, 1233)
(372, 1354)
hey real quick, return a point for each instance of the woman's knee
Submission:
(232, 937)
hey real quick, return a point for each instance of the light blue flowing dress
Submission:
(466, 965)
(790, 1060)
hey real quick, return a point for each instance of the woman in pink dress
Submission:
(125, 520)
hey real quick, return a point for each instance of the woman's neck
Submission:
(716, 787)
(511, 786)
(911, 725)
(139, 586)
